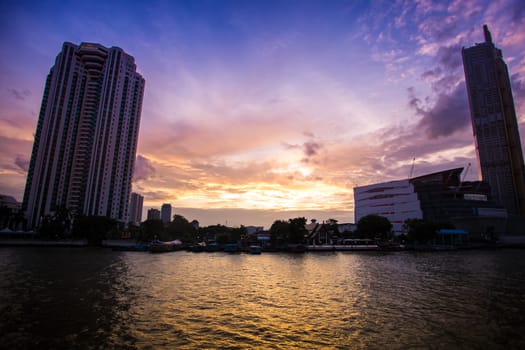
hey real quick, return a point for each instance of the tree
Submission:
(419, 230)
(57, 225)
(374, 226)
(297, 230)
(151, 229)
(279, 232)
(237, 233)
(181, 228)
(288, 232)
(94, 228)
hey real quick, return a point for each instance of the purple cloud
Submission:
(448, 115)
(19, 95)
(518, 86)
(310, 148)
(144, 169)
(22, 162)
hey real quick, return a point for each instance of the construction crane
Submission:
(465, 173)
(412, 168)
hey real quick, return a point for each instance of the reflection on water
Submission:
(100, 299)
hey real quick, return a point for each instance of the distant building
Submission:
(437, 197)
(195, 225)
(165, 213)
(250, 230)
(11, 217)
(135, 208)
(346, 227)
(395, 200)
(494, 124)
(86, 136)
(9, 202)
(153, 214)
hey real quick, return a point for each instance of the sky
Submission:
(262, 110)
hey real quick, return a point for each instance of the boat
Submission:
(231, 248)
(213, 247)
(254, 249)
(163, 247)
(296, 248)
(137, 247)
(198, 247)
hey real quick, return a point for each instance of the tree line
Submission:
(282, 232)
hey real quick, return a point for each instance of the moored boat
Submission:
(231, 248)
(163, 247)
(254, 249)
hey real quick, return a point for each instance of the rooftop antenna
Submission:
(488, 37)
(412, 168)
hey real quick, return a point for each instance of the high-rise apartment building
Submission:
(494, 124)
(165, 213)
(135, 208)
(86, 137)
(153, 214)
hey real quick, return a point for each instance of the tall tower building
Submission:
(165, 213)
(135, 208)
(494, 124)
(86, 136)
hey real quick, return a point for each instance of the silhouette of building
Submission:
(153, 214)
(86, 136)
(135, 208)
(439, 197)
(494, 124)
(165, 213)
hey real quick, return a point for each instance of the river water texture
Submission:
(95, 298)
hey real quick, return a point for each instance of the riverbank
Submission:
(43, 243)
(517, 242)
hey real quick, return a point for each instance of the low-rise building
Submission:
(437, 197)
(153, 214)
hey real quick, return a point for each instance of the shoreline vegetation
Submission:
(371, 233)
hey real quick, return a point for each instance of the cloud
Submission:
(19, 95)
(449, 114)
(144, 169)
(22, 162)
(449, 57)
(518, 86)
(310, 148)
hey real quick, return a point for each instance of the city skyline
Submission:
(255, 108)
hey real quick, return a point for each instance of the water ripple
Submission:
(99, 299)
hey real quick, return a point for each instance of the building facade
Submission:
(153, 214)
(86, 136)
(439, 197)
(494, 124)
(395, 200)
(136, 203)
(165, 213)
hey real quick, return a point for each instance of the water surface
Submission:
(94, 298)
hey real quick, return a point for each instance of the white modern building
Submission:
(86, 136)
(395, 200)
(439, 197)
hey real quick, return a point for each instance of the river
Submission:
(95, 298)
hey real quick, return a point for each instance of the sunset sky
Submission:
(263, 110)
